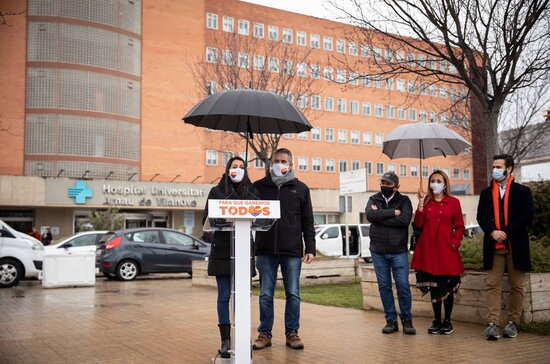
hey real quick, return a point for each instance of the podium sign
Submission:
(244, 209)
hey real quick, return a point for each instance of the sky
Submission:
(309, 7)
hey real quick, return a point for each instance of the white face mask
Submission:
(280, 169)
(499, 174)
(236, 174)
(437, 188)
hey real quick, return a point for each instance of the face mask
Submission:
(499, 174)
(236, 174)
(386, 191)
(437, 188)
(280, 169)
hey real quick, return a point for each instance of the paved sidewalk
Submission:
(168, 321)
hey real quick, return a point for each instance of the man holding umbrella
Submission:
(283, 245)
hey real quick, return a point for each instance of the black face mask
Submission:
(386, 191)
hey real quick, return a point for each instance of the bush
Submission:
(541, 199)
(108, 219)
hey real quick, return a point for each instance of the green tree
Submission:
(109, 219)
(541, 200)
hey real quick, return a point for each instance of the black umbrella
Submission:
(248, 111)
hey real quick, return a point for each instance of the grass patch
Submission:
(347, 295)
(539, 328)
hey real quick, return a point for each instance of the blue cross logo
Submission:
(80, 192)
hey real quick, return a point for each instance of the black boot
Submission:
(225, 333)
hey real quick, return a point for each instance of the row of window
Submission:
(302, 69)
(353, 48)
(330, 166)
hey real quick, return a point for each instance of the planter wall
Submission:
(320, 271)
(470, 301)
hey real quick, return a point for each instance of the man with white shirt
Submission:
(390, 213)
(504, 212)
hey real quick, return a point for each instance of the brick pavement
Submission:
(155, 320)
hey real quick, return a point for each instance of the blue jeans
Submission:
(290, 268)
(224, 293)
(384, 266)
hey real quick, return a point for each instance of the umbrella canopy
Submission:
(423, 140)
(248, 111)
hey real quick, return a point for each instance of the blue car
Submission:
(125, 254)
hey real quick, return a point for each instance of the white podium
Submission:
(242, 217)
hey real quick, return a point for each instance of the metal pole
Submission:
(346, 222)
(243, 353)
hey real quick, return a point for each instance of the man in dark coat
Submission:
(283, 245)
(390, 214)
(504, 212)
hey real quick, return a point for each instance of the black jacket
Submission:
(520, 216)
(389, 233)
(285, 236)
(219, 261)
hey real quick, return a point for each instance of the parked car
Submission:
(21, 255)
(125, 254)
(85, 241)
(330, 240)
(472, 230)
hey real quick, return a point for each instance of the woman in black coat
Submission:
(234, 185)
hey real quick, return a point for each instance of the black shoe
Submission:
(225, 333)
(446, 327)
(408, 327)
(435, 328)
(391, 327)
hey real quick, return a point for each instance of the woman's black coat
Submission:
(219, 262)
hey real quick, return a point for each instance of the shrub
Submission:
(109, 219)
(541, 199)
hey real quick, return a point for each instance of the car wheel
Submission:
(10, 273)
(109, 276)
(127, 270)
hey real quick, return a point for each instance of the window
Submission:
(422, 116)
(446, 171)
(379, 139)
(433, 90)
(466, 173)
(425, 171)
(329, 104)
(444, 118)
(401, 113)
(379, 110)
(367, 138)
(389, 55)
(274, 65)
(315, 102)
(355, 165)
(456, 173)
(379, 168)
(228, 24)
(354, 136)
(327, 43)
(463, 93)
(243, 60)
(443, 65)
(367, 109)
(343, 164)
(353, 50)
(211, 87)
(174, 238)
(341, 76)
(402, 170)
(412, 87)
(353, 78)
(454, 119)
(453, 93)
(400, 85)
(329, 134)
(432, 64)
(315, 71)
(340, 46)
(342, 136)
(443, 92)
(314, 41)
(316, 164)
(288, 136)
(411, 59)
(287, 67)
(258, 163)
(354, 107)
(389, 83)
(258, 30)
(287, 35)
(368, 167)
(400, 57)
(211, 157)
(272, 32)
(328, 74)
(377, 53)
(289, 97)
(211, 21)
(259, 62)
(390, 112)
(302, 163)
(414, 171)
(341, 105)
(316, 133)
(211, 55)
(377, 82)
(464, 121)
(302, 101)
(391, 167)
(329, 165)
(365, 80)
(226, 157)
(412, 114)
(148, 236)
(244, 27)
(421, 60)
(433, 117)
(365, 52)
(301, 38)
(422, 88)
(227, 57)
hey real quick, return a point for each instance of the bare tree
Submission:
(493, 48)
(236, 61)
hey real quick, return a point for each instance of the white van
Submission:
(21, 255)
(330, 240)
